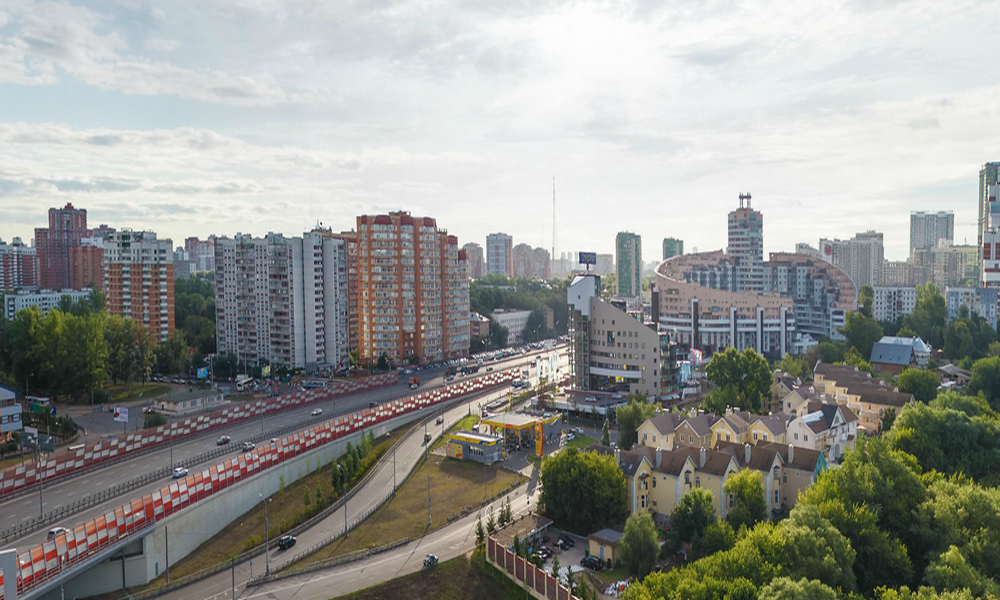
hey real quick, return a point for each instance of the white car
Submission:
(316, 412)
(180, 472)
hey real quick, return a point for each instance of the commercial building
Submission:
(989, 175)
(892, 303)
(413, 290)
(746, 247)
(477, 266)
(44, 300)
(67, 226)
(18, 266)
(515, 321)
(628, 256)
(672, 247)
(283, 300)
(533, 263)
(982, 301)
(929, 228)
(611, 350)
(139, 280)
(499, 259)
(477, 447)
(861, 257)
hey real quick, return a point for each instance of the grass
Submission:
(581, 442)
(456, 579)
(123, 392)
(455, 485)
(611, 575)
(287, 509)
(464, 425)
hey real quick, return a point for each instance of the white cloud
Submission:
(161, 45)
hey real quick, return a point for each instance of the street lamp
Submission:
(267, 542)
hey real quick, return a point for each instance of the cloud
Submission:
(161, 45)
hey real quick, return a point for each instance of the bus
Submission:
(243, 383)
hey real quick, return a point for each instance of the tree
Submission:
(383, 362)
(929, 315)
(555, 567)
(480, 534)
(816, 549)
(888, 420)
(717, 400)
(629, 417)
(719, 536)
(747, 372)
(866, 297)
(172, 355)
(861, 332)
(922, 384)
(783, 588)
(748, 505)
(796, 366)
(986, 379)
(952, 572)
(694, 512)
(498, 335)
(606, 433)
(639, 545)
(958, 342)
(491, 524)
(568, 472)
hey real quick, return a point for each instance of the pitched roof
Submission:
(891, 354)
(832, 371)
(886, 397)
(716, 463)
(803, 459)
(665, 423)
(702, 424)
(672, 462)
(607, 536)
(774, 423)
(628, 460)
(761, 457)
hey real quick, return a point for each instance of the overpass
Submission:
(199, 504)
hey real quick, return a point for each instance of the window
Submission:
(654, 482)
(687, 477)
(775, 496)
(796, 437)
(697, 482)
(805, 437)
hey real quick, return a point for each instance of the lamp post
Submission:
(267, 539)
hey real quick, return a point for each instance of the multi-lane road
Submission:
(64, 492)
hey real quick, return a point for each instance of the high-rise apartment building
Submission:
(989, 175)
(861, 257)
(672, 247)
(746, 246)
(499, 254)
(86, 264)
(18, 266)
(929, 228)
(138, 275)
(283, 300)
(891, 303)
(477, 266)
(351, 246)
(201, 253)
(529, 262)
(605, 264)
(67, 226)
(413, 289)
(628, 256)
(989, 253)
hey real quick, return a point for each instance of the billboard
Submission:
(10, 418)
(121, 414)
(265, 371)
(202, 373)
(588, 258)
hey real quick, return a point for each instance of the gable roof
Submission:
(628, 460)
(886, 397)
(774, 423)
(702, 424)
(716, 463)
(892, 354)
(761, 456)
(831, 371)
(673, 462)
(803, 459)
(665, 423)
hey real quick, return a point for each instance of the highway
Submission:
(69, 490)
(408, 454)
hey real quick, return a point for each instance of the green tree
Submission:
(717, 400)
(747, 372)
(497, 336)
(952, 572)
(694, 512)
(922, 384)
(480, 534)
(783, 588)
(606, 433)
(639, 545)
(568, 472)
(929, 315)
(888, 420)
(383, 362)
(629, 417)
(866, 298)
(796, 366)
(862, 332)
(958, 342)
(172, 355)
(748, 506)
(816, 549)
(986, 379)
(718, 536)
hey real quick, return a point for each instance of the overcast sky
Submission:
(210, 116)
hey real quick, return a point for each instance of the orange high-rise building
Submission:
(139, 280)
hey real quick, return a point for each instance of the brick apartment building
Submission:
(138, 280)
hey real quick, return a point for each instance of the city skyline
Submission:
(317, 123)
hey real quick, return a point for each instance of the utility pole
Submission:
(166, 544)
(394, 471)
(428, 501)
(232, 567)
(267, 539)
(41, 481)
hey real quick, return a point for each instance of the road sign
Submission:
(30, 439)
(202, 373)
(121, 414)
(46, 443)
(10, 418)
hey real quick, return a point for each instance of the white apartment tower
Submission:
(499, 254)
(746, 246)
(929, 228)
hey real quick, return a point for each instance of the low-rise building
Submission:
(893, 354)
(827, 427)
(982, 301)
(44, 300)
(515, 321)
(479, 326)
(604, 545)
(477, 447)
(890, 303)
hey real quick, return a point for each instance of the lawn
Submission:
(611, 575)
(121, 393)
(581, 442)
(287, 509)
(464, 425)
(457, 579)
(455, 485)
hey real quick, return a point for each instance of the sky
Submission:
(198, 117)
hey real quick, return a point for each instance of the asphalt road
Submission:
(25, 507)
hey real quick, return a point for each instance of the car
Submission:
(57, 531)
(316, 412)
(592, 562)
(449, 378)
(286, 541)
(561, 544)
(431, 560)
(439, 420)
(414, 385)
(489, 368)
(372, 405)
(248, 446)
(180, 472)
(546, 552)
(566, 540)
(223, 440)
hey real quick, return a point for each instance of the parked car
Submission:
(223, 440)
(57, 531)
(546, 552)
(372, 405)
(248, 446)
(592, 562)
(566, 540)
(180, 472)
(561, 544)
(316, 412)
(286, 541)
(430, 560)
(489, 368)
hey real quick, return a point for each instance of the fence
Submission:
(541, 584)
(46, 561)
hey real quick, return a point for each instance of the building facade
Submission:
(413, 290)
(44, 300)
(515, 321)
(989, 175)
(746, 247)
(477, 266)
(861, 257)
(201, 253)
(533, 263)
(67, 226)
(890, 303)
(138, 280)
(86, 264)
(628, 256)
(18, 266)
(499, 259)
(989, 253)
(821, 294)
(982, 301)
(672, 247)
(929, 228)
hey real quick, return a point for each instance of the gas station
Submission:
(520, 430)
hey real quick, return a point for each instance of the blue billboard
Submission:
(588, 258)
